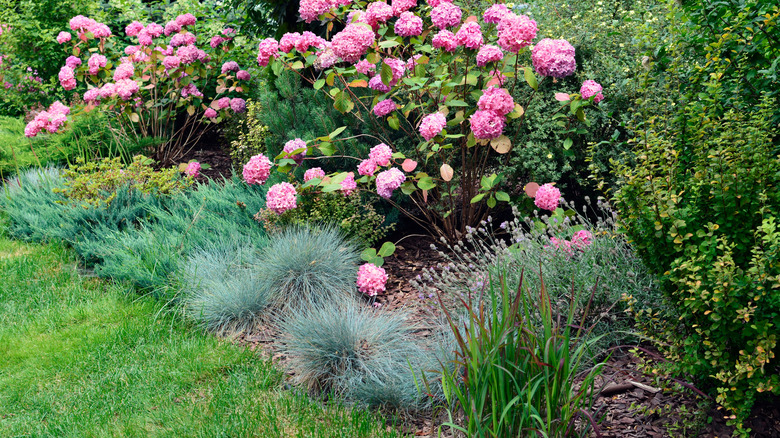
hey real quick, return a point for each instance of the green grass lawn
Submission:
(81, 357)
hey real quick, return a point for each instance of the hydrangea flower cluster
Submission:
(591, 88)
(389, 180)
(470, 35)
(381, 154)
(265, 50)
(554, 58)
(50, 120)
(579, 241)
(489, 53)
(445, 40)
(314, 172)
(384, 107)
(488, 122)
(547, 197)
(351, 43)
(293, 145)
(408, 25)
(446, 15)
(348, 184)
(257, 169)
(515, 32)
(432, 125)
(371, 279)
(281, 197)
(193, 169)
(495, 13)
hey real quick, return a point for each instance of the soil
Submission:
(631, 403)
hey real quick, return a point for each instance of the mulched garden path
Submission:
(631, 404)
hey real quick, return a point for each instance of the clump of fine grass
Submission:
(223, 291)
(364, 355)
(305, 266)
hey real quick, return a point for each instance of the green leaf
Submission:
(327, 149)
(491, 202)
(477, 198)
(567, 143)
(530, 78)
(456, 103)
(331, 188)
(407, 188)
(394, 122)
(386, 73)
(502, 196)
(426, 183)
(368, 254)
(343, 103)
(319, 84)
(336, 133)
(387, 249)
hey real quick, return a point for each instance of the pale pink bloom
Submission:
(133, 28)
(186, 20)
(67, 78)
(378, 12)
(591, 88)
(582, 239)
(381, 154)
(325, 59)
(73, 61)
(408, 25)
(309, 10)
(92, 95)
(257, 170)
(371, 279)
(497, 100)
(95, 63)
(388, 181)
(446, 15)
(432, 125)
(171, 27)
(64, 37)
(434, 3)
(351, 43)
(554, 58)
(307, 40)
(515, 32)
(487, 125)
(125, 88)
(188, 54)
(59, 108)
(495, 13)
(313, 173)
(144, 38)
(281, 197)
(293, 145)
(489, 53)
(547, 197)
(183, 39)
(348, 184)
(367, 167)
(469, 35)
(131, 50)
(124, 71)
(171, 62)
(154, 29)
(445, 40)
(193, 169)
(400, 6)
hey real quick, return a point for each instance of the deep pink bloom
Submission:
(309, 10)
(554, 58)
(230, 66)
(378, 12)
(67, 78)
(223, 102)
(487, 125)
(408, 25)
(238, 105)
(381, 154)
(591, 88)
(64, 37)
(216, 40)
(351, 43)
(445, 40)
(308, 40)
(210, 113)
(288, 40)
(398, 67)
(243, 75)
(446, 15)
(144, 38)
(400, 6)
(515, 32)
(314, 172)
(365, 67)
(191, 90)
(469, 35)
(547, 197)
(193, 169)
(133, 28)
(497, 100)
(265, 50)
(412, 62)
(171, 27)
(434, 3)
(257, 170)
(582, 239)
(432, 125)
(371, 279)
(388, 181)
(293, 145)
(348, 184)
(376, 83)
(489, 53)
(367, 167)
(495, 13)
(281, 197)
(384, 107)
(186, 20)
(124, 71)
(73, 61)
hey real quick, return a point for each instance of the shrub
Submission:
(518, 365)
(307, 266)
(223, 290)
(361, 354)
(250, 135)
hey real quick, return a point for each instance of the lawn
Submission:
(83, 357)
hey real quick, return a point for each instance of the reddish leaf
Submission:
(531, 188)
(409, 165)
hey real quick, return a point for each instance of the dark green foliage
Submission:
(307, 266)
(361, 354)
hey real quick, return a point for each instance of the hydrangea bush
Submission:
(434, 73)
(172, 83)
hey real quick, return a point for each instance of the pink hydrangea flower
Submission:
(223, 102)
(547, 197)
(314, 172)
(351, 43)
(367, 167)
(181, 39)
(554, 58)
(243, 75)
(154, 30)
(495, 13)
(125, 88)
(257, 169)
(445, 40)
(432, 125)
(497, 100)
(193, 169)
(515, 32)
(308, 40)
(92, 95)
(288, 40)
(216, 40)
(170, 27)
(469, 35)
(133, 28)
(388, 181)
(325, 59)
(489, 53)
(365, 67)
(124, 71)
(186, 20)
(591, 88)
(401, 6)
(191, 90)
(230, 66)
(95, 63)
(376, 83)
(144, 38)
(378, 12)
(108, 90)
(238, 105)
(210, 113)
(384, 107)
(371, 279)
(381, 154)
(412, 62)
(398, 67)
(487, 125)
(348, 184)
(562, 245)
(294, 145)
(446, 15)
(281, 197)
(64, 37)
(188, 54)
(582, 239)
(171, 62)
(73, 61)
(309, 10)
(434, 3)
(265, 50)
(408, 25)
(67, 78)
(80, 22)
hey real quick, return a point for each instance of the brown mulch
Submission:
(632, 403)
